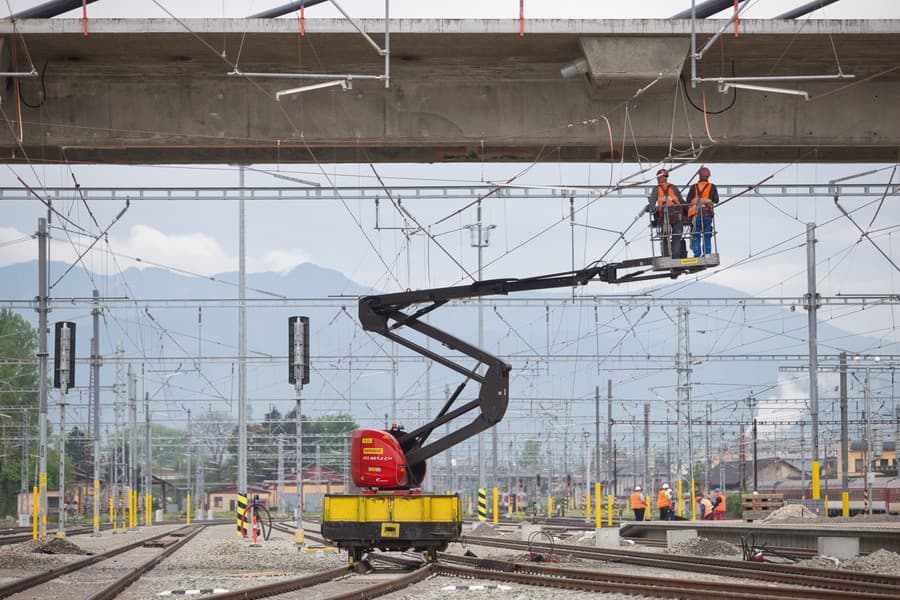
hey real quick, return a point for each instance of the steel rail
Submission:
(526, 573)
(819, 578)
(116, 587)
(25, 583)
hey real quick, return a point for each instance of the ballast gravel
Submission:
(883, 562)
(703, 547)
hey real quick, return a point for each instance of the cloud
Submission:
(193, 252)
(279, 261)
(16, 246)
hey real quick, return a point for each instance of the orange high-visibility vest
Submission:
(662, 500)
(701, 196)
(637, 501)
(720, 507)
(664, 197)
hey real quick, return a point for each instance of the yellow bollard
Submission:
(148, 508)
(188, 508)
(816, 492)
(587, 507)
(42, 484)
(496, 506)
(598, 498)
(680, 507)
(826, 506)
(112, 515)
(845, 504)
(97, 505)
(482, 504)
(34, 513)
(549, 507)
(693, 504)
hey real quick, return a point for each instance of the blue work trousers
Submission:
(702, 226)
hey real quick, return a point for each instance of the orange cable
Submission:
(521, 18)
(303, 19)
(736, 18)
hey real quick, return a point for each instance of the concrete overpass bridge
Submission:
(159, 91)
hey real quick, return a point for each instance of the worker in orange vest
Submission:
(719, 504)
(706, 509)
(638, 503)
(667, 208)
(664, 502)
(701, 198)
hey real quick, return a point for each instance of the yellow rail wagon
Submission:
(420, 522)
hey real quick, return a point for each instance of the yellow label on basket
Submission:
(374, 469)
(689, 261)
(367, 440)
(373, 450)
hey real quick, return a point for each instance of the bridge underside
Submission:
(137, 91)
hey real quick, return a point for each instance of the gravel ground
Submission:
(791, 512)
(217, 558)
(437, 589)
(703, 547)
(17, 560)
(881, 561)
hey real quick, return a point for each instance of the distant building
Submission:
(767, 470)
(886, 464)
(224, 499)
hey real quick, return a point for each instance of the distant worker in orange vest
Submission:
(706, 509)
(638, 503)
(702, 197)
(719, 504)
(664, 502)
(667, 208)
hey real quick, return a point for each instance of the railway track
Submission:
(601, 581)
(771, 573)
(775, 581)
(91, 577)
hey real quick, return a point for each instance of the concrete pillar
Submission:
(842, 548)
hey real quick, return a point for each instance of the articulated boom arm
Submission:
(385, 314)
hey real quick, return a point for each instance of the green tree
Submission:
(19, 378)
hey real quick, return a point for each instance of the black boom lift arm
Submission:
(385, 314)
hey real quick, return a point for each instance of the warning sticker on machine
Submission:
(373, 450)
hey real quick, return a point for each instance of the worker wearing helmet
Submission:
(664, 502)
(718, 504)
(638, 503)
(667, 206)
(706, 508)
(702, 196)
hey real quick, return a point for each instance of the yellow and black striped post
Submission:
(241, 507)
(482, 504)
